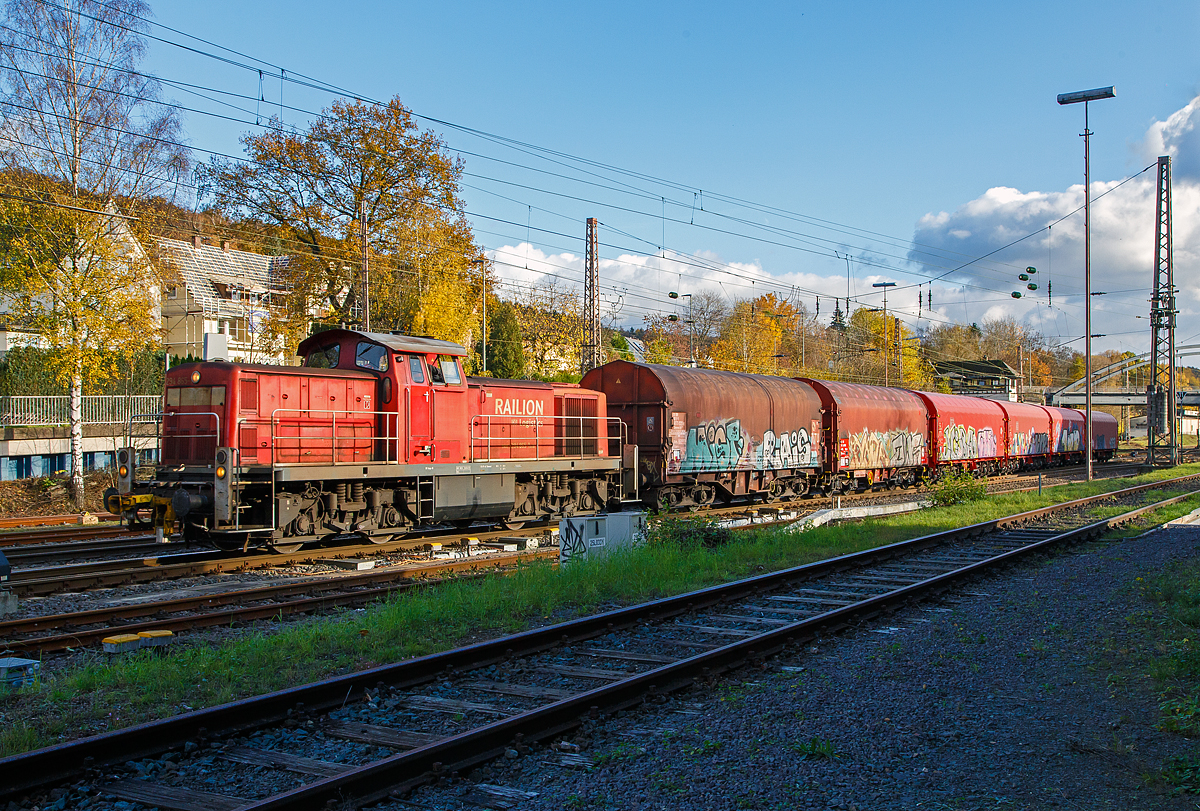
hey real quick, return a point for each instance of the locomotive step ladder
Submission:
(424, 497)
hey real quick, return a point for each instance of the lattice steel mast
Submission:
(1162, 442)
(591, 300)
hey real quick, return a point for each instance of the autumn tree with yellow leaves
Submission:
(85, 142)
(750, 338)
(314, 187)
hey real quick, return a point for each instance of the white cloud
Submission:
(1123, 227)
(641, 283)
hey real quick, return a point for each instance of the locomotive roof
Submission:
(397, 343)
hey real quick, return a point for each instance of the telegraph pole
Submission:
(591, 298)
(1160, 392)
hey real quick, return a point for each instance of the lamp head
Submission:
(1087, 95)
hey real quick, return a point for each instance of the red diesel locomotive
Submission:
(377, 435)
(374, 435)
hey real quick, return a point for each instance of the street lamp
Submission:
(1074, 98)
(887, 360)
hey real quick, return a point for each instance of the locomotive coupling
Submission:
(117, 503)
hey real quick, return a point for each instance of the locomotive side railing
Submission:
(305, 443)
(551, 438)
(158, 418)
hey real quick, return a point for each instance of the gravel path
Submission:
(1022, 693)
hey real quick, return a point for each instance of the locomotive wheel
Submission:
(380, 538)
(513, 526)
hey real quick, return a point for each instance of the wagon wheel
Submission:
(285, 548)
(513, 526)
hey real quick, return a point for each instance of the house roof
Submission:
(212, 274)
(974, 368)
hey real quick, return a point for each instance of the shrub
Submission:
(689, 532)
(957, 486)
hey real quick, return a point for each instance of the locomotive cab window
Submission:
(444, 371)
(435, 375)
(449, 366)
(324, 358)
(416, 368)
(371, 356)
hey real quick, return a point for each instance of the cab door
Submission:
(418, 399)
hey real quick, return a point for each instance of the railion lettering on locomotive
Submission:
(516, 407)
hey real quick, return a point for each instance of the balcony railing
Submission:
(97, 409)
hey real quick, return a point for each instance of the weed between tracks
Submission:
(100, 694)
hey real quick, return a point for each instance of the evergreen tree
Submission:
(505, 352)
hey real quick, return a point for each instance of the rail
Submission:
(26, 410)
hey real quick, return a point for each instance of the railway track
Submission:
(52, 520)
(9, 540)
(440, 715)
(131, 545)
(154, 565)
(83, 628)
(110, 573)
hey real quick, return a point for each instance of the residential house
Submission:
(221, 292)
(989, 379)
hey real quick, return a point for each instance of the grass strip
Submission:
(101, 694)
(1172, 632)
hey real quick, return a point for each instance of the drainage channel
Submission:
(451, 711)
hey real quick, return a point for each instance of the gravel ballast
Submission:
(1025, 690)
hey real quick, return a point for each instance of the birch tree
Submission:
(84, 138)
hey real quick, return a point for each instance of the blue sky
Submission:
(869, 116)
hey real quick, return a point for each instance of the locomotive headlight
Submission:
(123, 471)
(196, 376)
(220, 471)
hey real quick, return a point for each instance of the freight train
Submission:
(378, 435)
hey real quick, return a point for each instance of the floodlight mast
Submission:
(1086, 96)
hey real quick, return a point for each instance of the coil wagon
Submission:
(872, 435)
(968, 432)
(703, 435)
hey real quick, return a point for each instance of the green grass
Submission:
(815, 749)
(1171, 629)
(103, 694)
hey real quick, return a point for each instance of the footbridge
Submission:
(1106, 390)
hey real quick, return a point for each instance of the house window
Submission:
(172, 292)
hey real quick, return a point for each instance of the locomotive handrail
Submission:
(387, 437)
(159, 418)
(513, 442)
